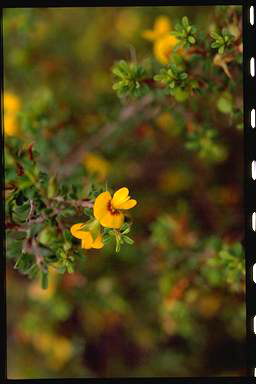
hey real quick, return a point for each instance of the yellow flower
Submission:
(97, 165)
(12, 105)
(164, 47)
(162, 27)
(86, 237)
(109, 211)
(11, 102)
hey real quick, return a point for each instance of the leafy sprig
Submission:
(222, 40)
(177, 81)
(128, 79)
(185, 33)
(120, 236)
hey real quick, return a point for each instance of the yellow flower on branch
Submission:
(164, 47)
(162, 27)
(108, 210)
(86, 236)
(96, 164)
(164, 42)
(12, 105)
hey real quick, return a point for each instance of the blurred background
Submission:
(173, 304)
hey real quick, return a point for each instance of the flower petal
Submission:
(162, 25)
(112, 221)
(76, 232)
(128, 204)
(120, 197)
(98, 242)
(100, 206)
(87, 241)
(149, 35)
(163, 48)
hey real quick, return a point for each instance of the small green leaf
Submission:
(224, 103)
(191, 39)
(44, 279)
(67, 235)
(52, 187)
(70, 267)
(88, 212)
(183, 76)
(107, 239)
(221, 50)
(67, 246)
(128, 240)
(185, 21)
(214, 45)
(215, 35)
(95, 229)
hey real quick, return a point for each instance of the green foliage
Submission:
(204, 143)
(222, 40)
(185, 33)
(229, 261)
(120, 236)
(129, 79)
(177, 81)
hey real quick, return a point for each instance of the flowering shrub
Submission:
(123, 139)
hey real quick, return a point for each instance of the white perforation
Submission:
(252, 15)
(253, 118)
(254, 273)
(253, 164)
(252, 66)
(254, 221)
(254, 170)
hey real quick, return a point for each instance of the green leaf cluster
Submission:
(120, 236)
(205, 142)
(222, 40)
(176, 80)
(185, 33)
(129, 79)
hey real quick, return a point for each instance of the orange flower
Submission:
(109, 211)
(86, 237)
(12, 105)
(162, 27)
(164, 47)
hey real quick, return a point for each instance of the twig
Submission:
(75, 203)
(79, 150)
(38, 256)
(32, 209)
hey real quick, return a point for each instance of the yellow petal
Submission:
(11, 102)
(10, 125)
(163, 48)
(100, 208)
(85, 236)
(128, 204)
(162, 25)
(87, 241)
(112, 221)
(149, 35)
(76, 232)
(120, 197)
(98, 242)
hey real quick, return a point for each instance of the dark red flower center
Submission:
(112, 210)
